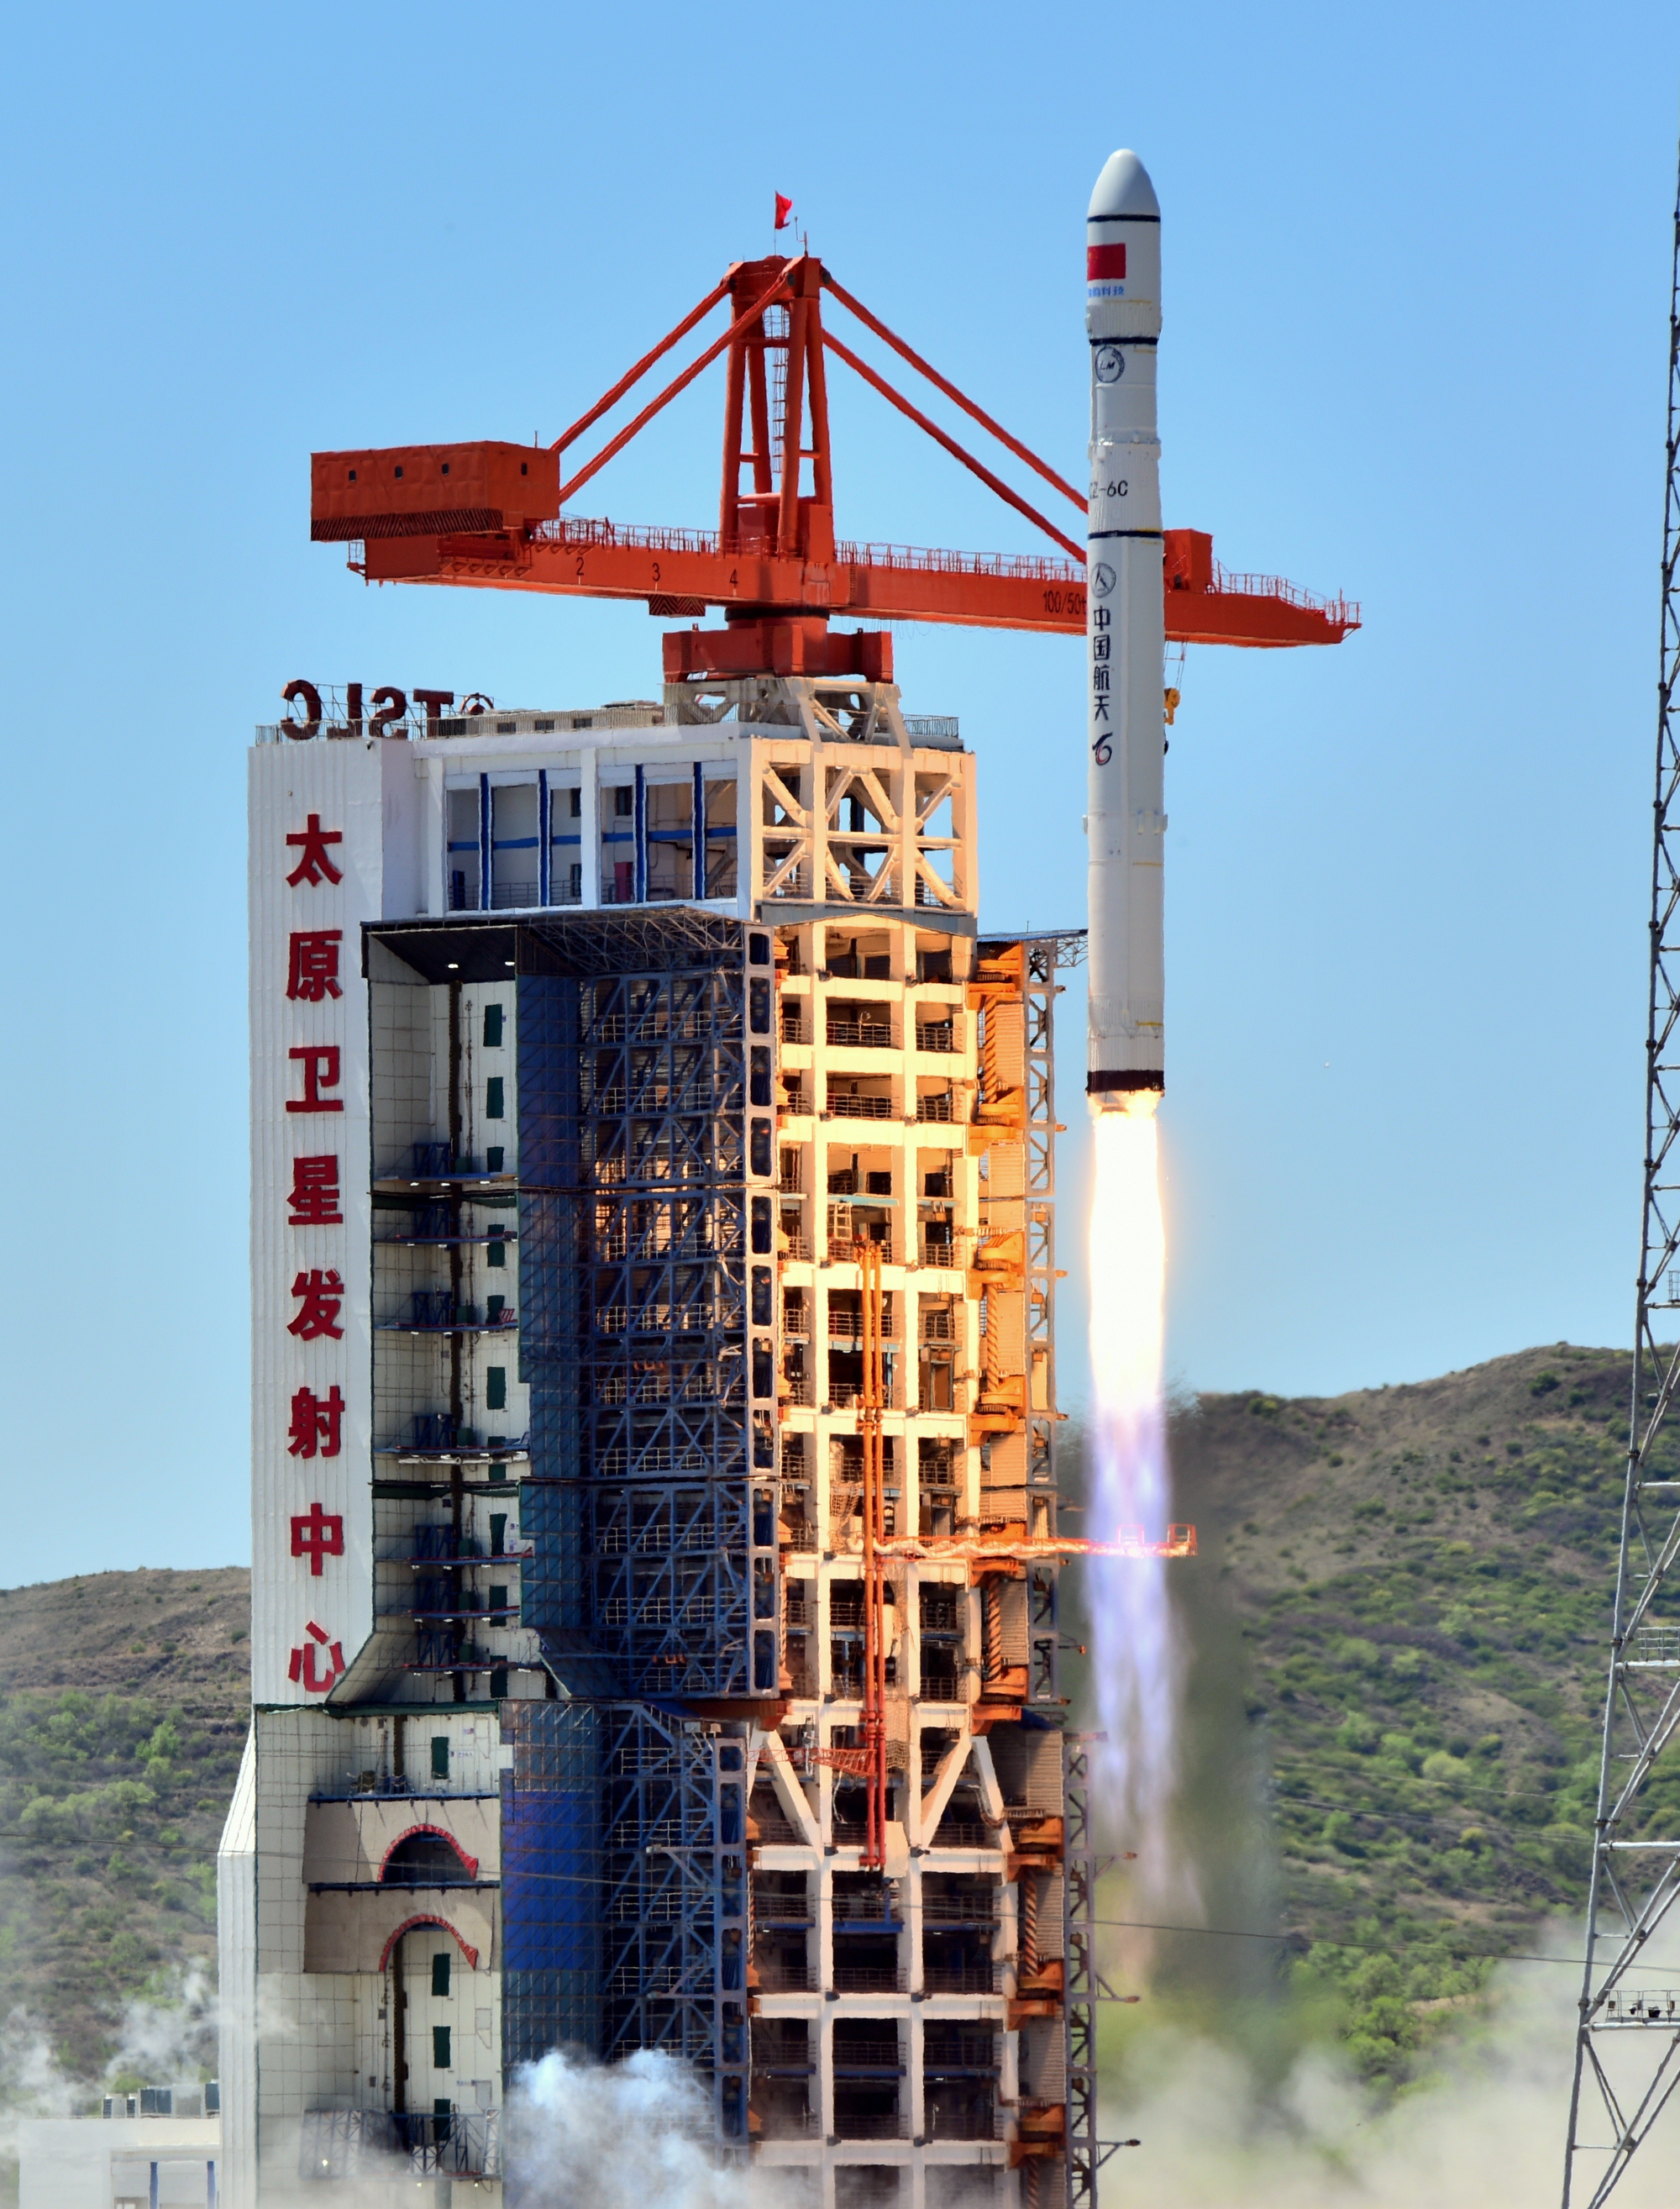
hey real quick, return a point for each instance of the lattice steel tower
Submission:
(1628, 2045)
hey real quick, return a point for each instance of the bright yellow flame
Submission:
(1128, 1258)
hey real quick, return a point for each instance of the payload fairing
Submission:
(1125, 638)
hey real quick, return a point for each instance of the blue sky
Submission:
(1416, 292)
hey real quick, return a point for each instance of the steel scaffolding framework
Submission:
(649, 1300)
(651, 1576)
(1628, 2040)
(625, 1883)
(633, 1246)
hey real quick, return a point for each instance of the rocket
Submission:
(1125, 640)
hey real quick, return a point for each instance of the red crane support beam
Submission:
(941, 384)
(992, 483)
(597, 560)
(609, 400)
(677, 384)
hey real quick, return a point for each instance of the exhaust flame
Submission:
(1137, 1659)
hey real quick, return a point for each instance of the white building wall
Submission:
(85, 2162)
(236, 1958)
(310, 1613)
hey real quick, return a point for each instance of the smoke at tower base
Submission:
(1133, 1644)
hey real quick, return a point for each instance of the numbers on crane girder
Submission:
(1064, 603)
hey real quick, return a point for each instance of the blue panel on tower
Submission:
(633, 1325)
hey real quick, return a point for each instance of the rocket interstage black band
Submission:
(1122, 217)
(1098, 343)
(1092, 535)
(1095, 1084)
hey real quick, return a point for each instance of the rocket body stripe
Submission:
(1125, 637)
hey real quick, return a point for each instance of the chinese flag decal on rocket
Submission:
(784, 208)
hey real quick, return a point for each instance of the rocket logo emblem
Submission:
(1102, 579)
(1109, 366)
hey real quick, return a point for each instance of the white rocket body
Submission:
(1125, 638)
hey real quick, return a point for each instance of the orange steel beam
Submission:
(941, 383)
(1021, 1549)
(581, 558)
(677, 384)
(609, 400)
(975, 467)
(873, 1726)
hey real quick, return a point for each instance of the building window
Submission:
(671, 840)
(462, 816)
(720, 839)
(496, 1254)
(566, 836)
(492, 1027)
(494, 1107)
(515, 840)
(441, 1975)
(440, 1756)
(496, 1388)
(618, 844)
(440, 2048)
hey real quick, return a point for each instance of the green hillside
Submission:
(1398, 1626)
(123, 1704)
(1395, 1630)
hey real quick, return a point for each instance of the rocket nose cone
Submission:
(1123, 189)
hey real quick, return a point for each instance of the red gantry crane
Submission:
(495, 516)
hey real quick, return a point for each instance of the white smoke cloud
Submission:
(168, 2038)
(1486, 2126)
(165, 2039)
(617, 2138)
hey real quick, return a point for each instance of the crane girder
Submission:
(675, 573)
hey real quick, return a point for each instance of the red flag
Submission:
(785, 207)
